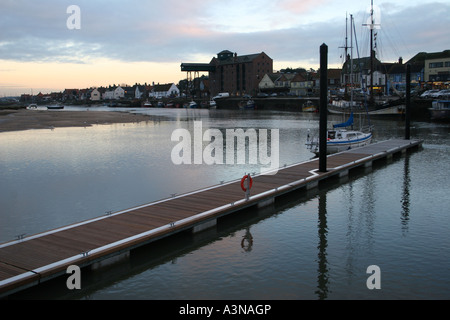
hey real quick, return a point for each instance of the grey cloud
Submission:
(130, 31)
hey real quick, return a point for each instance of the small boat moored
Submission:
(339, 139)
(440, 110)
(309, 106)
(191, 105)
(247, 105)
(147, 104)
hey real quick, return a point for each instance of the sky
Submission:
(46, 46)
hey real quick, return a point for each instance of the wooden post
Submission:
(323, 110)
(408, 103)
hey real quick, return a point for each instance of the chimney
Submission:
(400, 60)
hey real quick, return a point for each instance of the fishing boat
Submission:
(309, 106)
(389, 108)
(340, 139)
(247, 105)
(440, 110)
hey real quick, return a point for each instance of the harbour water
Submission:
(316, 245)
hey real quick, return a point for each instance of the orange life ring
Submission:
(243, 180)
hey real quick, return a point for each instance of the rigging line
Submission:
(360, 72)
(398, 35)
(391, 43)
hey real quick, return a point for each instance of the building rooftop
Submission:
(422, 56)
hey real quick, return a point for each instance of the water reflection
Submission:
(322, 270)
(270, 255)
(405, 196)
(247, 240)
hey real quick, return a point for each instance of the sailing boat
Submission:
(352, 68)
(340, 138)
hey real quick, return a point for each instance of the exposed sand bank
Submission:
(15, 120)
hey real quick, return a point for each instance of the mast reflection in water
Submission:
(322, 270)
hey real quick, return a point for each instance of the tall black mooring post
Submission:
(323, 108)
(408, 103)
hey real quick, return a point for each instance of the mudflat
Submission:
(22, 119)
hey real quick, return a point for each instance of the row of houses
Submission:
(156, 91)
(430, 70)
(133, 92)
(298, 84)
(427, 70)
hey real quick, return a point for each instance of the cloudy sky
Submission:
(147, 40)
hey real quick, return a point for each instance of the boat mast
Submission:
(345, 80)
(351, 63)
(372, 55)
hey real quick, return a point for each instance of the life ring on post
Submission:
(243, 181)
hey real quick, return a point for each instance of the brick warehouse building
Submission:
(237, 75)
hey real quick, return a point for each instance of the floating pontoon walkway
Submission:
(32, 260)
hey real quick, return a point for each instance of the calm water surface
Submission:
(314, 245)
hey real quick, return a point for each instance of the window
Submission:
(447, 64)
(436, 65)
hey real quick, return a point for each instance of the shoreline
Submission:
(19, 120)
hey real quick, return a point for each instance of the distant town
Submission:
(253, 76)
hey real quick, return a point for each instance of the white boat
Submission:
(32, 106)
(212, 104)
(440, 110)
(340, 139)
(191, 105)
(343, 107)
(147, 104)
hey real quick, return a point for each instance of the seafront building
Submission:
(431, 70)
(231, 73)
